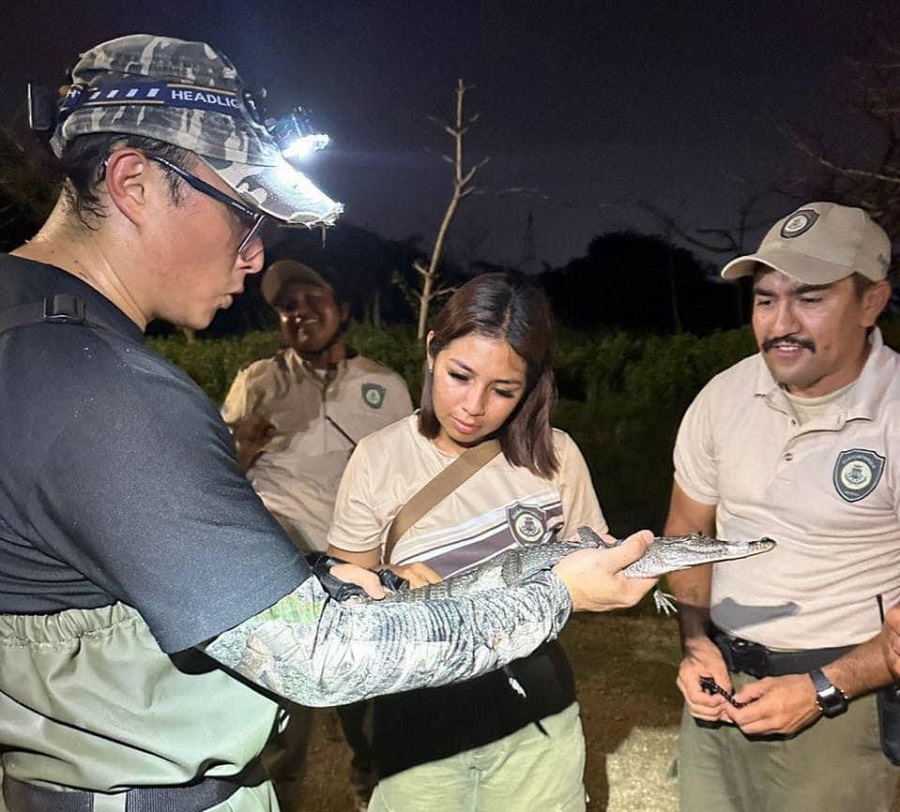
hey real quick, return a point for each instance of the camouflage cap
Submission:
(190, 95)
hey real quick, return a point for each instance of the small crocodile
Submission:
(665, 554)
(673, 553)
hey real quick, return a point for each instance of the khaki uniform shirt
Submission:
(828, 491)
(500, 507)
(318, 422)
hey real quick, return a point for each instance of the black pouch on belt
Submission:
(888, 702)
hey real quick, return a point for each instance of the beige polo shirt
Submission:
(500, 507)
(318, 421)
(828, 491)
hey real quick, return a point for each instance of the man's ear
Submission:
(126, 179)
(875, 300)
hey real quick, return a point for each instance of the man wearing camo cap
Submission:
(800, 442)
(135, 559)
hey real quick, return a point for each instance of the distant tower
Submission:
(531, 264)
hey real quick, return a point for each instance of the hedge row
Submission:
(621, 397)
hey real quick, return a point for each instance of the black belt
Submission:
(21, 796)
(751, 658)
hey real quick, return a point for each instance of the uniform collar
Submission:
(300, 369)
(877, 374)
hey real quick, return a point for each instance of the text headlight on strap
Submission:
(168, 94)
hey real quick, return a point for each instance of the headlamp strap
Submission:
(154, 94)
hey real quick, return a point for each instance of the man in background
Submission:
(296, 418)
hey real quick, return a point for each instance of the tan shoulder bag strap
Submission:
(438, 489)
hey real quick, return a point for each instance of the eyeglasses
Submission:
(252, 219)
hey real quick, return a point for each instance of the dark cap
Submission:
(285, 272)
(190, 95)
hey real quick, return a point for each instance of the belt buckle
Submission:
(749, 657)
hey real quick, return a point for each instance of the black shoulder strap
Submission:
(61, 308)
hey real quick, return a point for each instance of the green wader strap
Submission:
(24, 797)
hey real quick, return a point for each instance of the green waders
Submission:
(94, 717)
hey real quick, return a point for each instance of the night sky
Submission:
(595, 107)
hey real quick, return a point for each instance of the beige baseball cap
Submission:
(818, 244)
(287, 271)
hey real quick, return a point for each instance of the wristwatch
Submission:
(831, 700)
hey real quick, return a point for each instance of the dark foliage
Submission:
(360, 265)
(29, 184)
(644, 284)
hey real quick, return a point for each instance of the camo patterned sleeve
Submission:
(318, 652)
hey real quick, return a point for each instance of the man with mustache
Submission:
(800, 442)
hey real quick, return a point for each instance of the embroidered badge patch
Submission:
(528, 523)
(856, 473)
(799, 223)
(373, 395)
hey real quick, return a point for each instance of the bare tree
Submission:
(727, 240)
(870, 180)
(463, 186)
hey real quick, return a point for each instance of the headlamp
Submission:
(42, 107)
(296, 135)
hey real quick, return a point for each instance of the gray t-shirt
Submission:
(118, 480)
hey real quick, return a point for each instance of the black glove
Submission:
(339, 590)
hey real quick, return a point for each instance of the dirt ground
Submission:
(625, 666)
